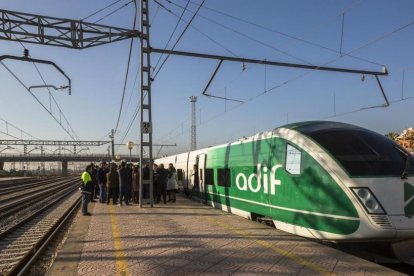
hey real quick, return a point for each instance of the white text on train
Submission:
(245, 183)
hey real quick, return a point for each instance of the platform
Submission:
(187, 238)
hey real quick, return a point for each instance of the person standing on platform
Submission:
(135, 185)
(102, 171)
(156, 186)
(94, 175)
(145, 187)
(112, 185)
(195, 181)
(172, 184)
(86, 189)
(162, 183)
(124, 183)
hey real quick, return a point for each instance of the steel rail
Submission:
(24, 264)
(10, 229)
(47, 238)
(28, 200)
(24, 186)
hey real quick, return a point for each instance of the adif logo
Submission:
(408, 199)
(255, 181)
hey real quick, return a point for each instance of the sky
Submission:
(359, 34)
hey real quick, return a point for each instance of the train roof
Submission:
(318, 126)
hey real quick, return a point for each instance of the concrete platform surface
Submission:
(187, 238)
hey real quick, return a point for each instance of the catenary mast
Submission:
(193, 100)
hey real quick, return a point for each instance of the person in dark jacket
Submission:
(172, 184)
(196, 182)
(112, 185)
(156, 185)
(94, 175)
(145, 187)
(125, 179)
(135, 184)
(102, 171)
(86, 189)
(162, 184)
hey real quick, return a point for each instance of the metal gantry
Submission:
(52, 143)
(39, 29)
(146, 119)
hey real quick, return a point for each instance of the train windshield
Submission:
(362, 152)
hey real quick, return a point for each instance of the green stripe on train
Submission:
(408, 199)
(257, 174)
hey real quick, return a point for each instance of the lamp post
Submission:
(130, 146)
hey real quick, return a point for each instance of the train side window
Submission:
(209, 177)
(293, 159)
(180, 175)
(224, 177)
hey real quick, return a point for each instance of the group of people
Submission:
(121, 184)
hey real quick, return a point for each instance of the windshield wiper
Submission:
(407, 162)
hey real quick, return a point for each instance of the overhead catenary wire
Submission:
(375, 40)
(101, 10)
(246, 36)
(113, 12)
(60, 110)
(127, 70)
(299, 39)
(172, 34)
(130, 98)
(181, 35)
(195, 28)
(52, 97)
(17, 128)
(21, 82)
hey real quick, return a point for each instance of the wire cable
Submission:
(100, 10)
(17, 128)
(385, 35)
(111, 13)
(51, 96)
(246, 36)
(127, 70)
(197, 29)
(130, 98)
(21, 82)
(288, 35)
(172, 34)
(181, 35)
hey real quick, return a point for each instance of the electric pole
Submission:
(146, 120)
(193, 100)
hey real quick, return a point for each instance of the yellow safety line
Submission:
(121, 263)
(272, 247)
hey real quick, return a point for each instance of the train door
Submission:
(201, 165)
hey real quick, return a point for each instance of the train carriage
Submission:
(322, 180)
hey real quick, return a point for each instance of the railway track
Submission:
(8, 189)
(25, 233)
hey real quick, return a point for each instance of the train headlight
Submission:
(368, 200)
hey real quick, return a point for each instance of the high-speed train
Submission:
(321, 180)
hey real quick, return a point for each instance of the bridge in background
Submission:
(64, 158)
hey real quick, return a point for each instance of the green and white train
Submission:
(321, 180)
